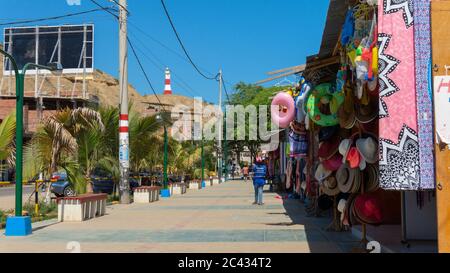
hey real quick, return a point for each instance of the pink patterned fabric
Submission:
(399, 150)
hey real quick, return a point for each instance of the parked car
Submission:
(60, 185)
(102, 182)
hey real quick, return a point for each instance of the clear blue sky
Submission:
(246, 38)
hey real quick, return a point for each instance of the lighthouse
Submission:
(167, 87)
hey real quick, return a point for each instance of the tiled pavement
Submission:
(216, 219)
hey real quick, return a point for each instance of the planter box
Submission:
(195, 185)
(81, 208)
(208, 183)
(144, 195)
(178, 188)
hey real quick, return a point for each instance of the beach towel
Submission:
(398, 136)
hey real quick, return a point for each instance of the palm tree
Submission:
(56, 141)
(7, 133)
(143, 135)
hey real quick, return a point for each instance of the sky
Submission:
(246, 38)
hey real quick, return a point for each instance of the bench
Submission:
(178, 188)
(82, 207)
(195, 185)
(146, 194)
(208, 183)
(215, 181)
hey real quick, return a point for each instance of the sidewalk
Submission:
(216, 219)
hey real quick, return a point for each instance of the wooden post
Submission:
(440, 20)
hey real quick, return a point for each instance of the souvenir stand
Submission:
(338, 119)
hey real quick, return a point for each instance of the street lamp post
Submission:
(165, 192)
(19, 225)
(166, 146)
(203, 162)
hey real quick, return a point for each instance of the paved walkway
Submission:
(216, 219)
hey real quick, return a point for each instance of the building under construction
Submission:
(44, 93)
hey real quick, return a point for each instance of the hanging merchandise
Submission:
(368, 210)
(321, 95)
(322, 173)
(371, 182)
(348, 29)
(283, 109)
(400, 167)
(330, 187)
(354, 158)
(345, 177)
(300, 100)
(334, 163)
(298, 140)
(368, 149)
(422, 46)
(329, 148)
(344, 147)
(288, 174)
(326, 133)
(366, 113)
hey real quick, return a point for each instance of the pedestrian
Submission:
(259, 180)
(245, 172)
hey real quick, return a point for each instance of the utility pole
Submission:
(219, 143)
(124, 142)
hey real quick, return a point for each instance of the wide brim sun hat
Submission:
(368, 149)
(345, 177)
(322, 173)
(344, 147)
(329, 148)
(367, 113)
(329, 186)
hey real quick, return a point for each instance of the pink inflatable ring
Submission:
(283, 110)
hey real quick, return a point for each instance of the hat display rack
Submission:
(353, 106)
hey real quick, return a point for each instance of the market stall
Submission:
(360, 121)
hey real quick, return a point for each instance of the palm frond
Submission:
(7, 132)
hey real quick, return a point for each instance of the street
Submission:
(216, 219)
(7, 196)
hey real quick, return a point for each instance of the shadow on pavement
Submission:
(314, 228)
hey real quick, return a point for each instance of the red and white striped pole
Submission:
(168, 86)
(124, 142)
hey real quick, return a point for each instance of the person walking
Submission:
(245, 172)
(259, 180)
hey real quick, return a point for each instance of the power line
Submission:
(104, 8)
(145, 73)
(135, 55)
(182, 45)
(55, 17)
(225, 89)
(175, 53)
(160, 66)
(117, 3)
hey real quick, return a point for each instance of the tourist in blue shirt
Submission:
(259, 180)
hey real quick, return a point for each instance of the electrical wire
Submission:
(225, 89)
(160, 66)
(117, 3)
(136, 56)
(105, 9)
(145, 73)
(56, 17)
(182, 45)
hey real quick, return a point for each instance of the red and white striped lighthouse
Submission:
(167, 87)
